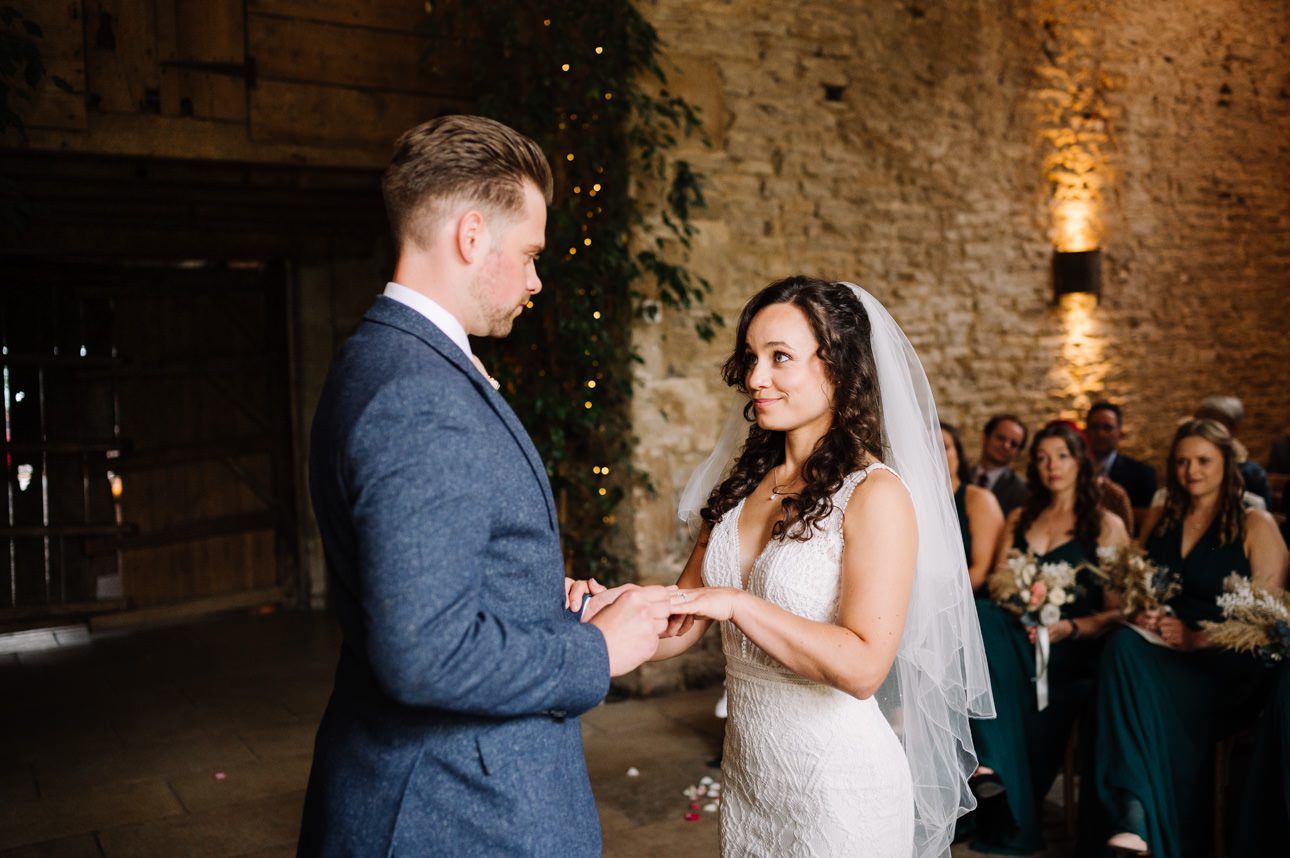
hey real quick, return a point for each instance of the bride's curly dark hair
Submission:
(841, 327)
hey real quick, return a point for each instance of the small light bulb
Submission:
(564, 67)
(587, 242)
(602, 491)
(586, 404)
(600, 50)
(595, 315)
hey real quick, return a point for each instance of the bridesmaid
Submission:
(980, 516)
(1021, 750)
(1160, 709)
(1263, 821)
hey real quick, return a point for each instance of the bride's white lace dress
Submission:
(808, 770)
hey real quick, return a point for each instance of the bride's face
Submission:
(788, 382)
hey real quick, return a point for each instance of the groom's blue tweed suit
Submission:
(453, 726)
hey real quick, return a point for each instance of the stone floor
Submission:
(196, 741)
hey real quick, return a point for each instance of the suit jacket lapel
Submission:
(387, 311)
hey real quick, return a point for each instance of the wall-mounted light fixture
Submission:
(1077, 271)
(1077, 259)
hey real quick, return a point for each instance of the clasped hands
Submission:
(712, 603)
(1173, 631)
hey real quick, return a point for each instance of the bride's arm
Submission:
(691, 577)
(880, 547)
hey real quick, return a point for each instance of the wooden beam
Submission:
(182, 612)
(202, 529)
(146, 460)
(62, 51)
(289, 49)
(55, 531)
(61, 609)
(309, 112)
(381, 14)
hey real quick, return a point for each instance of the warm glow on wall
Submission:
(1082, 366)
(1075, 226)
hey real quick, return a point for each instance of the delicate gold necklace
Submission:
(775, 486)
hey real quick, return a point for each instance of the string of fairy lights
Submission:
(587, 192)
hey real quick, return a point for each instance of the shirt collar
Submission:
(1107, 462)
(432, 310)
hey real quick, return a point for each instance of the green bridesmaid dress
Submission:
(1023, 745)
(1263, 819)
(960, 507)
(1159, 713)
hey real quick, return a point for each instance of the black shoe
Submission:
(986, 786)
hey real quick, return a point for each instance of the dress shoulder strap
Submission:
(843, 495)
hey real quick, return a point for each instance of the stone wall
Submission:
(918, 149)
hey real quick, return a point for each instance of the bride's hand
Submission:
(575, 589)
(715, 603)
(604, 597)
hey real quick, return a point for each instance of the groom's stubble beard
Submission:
(497, 319)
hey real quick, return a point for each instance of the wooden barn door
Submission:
(178, 400)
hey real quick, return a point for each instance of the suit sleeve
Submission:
(431, 638)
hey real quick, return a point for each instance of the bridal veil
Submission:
(939, 679)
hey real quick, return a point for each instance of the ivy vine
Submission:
(584, 80)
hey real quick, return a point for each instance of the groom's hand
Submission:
(631, 623)
(575, 589)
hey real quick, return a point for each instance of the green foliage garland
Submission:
(583, 79)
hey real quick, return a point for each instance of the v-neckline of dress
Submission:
(745, 580)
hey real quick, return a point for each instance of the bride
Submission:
(829, 552)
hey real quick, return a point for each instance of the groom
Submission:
(453, 725)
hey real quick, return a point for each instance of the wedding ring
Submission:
(684, 596)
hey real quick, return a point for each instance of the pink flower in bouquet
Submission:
(1038, 592)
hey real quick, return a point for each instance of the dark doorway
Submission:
(147, 435)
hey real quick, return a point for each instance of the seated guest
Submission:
(1104, 428)
(1279, 456)
(1112, 496)
(1162, 703)
(1021, 750)
(1003, 437)
(1230, 411)
(1115, 500)
(980, 518)
(1263, 813)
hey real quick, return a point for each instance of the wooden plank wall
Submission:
(327, 82)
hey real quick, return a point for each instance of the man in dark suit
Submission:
(453, 726)
(1104, 426)
(1002, 438)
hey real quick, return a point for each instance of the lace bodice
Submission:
(808, 770)
(798, 576)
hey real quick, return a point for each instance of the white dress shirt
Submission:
(432, 310)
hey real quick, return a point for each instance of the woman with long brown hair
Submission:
(1163, 703)
(1062, 521)
(829, 554)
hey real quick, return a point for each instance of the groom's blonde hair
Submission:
(453, 160)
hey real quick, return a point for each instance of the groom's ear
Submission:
(472, 236)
